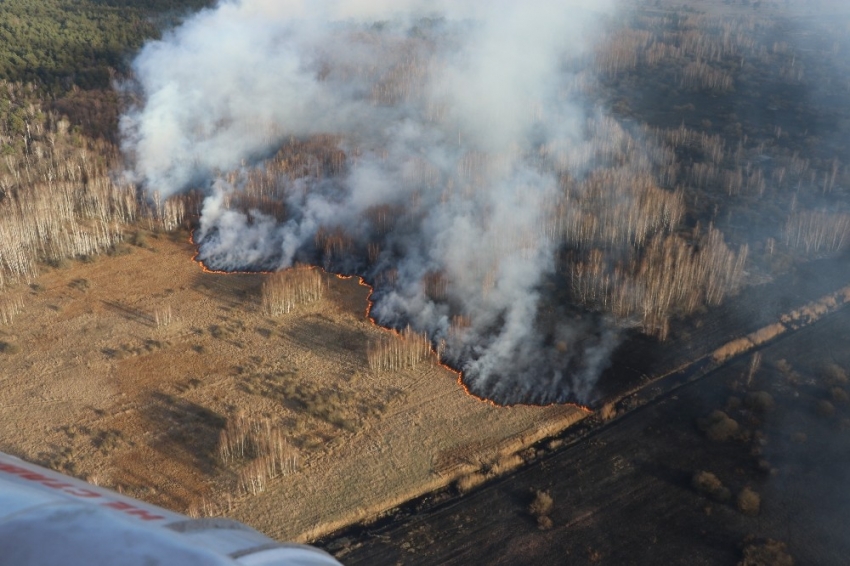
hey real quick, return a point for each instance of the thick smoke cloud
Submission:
(456, 120)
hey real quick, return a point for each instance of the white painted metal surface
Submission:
(47, 518)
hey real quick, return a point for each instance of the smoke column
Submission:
(456, 121)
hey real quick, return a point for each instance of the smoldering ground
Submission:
(445, 152)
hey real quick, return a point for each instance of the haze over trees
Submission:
(61, 194)
(668, 204)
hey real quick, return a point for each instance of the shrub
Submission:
(607, 412)
(718, 426)
(835, 375)
(759, 401)
(471, 481)
(784, 367)
(505, 464)
(82, 285)
(766, 552)
(838, 395)
(139, 239)
(825, 408)
(709, 485)
(541, 505)
(749, 502)
(9, 348)
(799, 437)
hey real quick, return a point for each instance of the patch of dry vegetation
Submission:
(163, 316)
(732, 349)
(765, 552)
(10, 307)
(470, 481)
(834, 375)
(399, 350)
(718, 426)
(759, 401)
(334, 410)
(282, 291)
(258, 449)
(540, 508)
(9, 348)
(709, 485)
(748, 502)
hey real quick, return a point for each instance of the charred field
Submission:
(788, 448)
(370, 307)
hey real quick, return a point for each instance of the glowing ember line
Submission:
(369, 303)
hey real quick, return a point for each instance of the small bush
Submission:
(749, 502)
(607, 412)
(733, 403)
(119, 249)
(108, 441)
(825, 408)
(541, 506)
(718, 426)
(9, 348)
(505, 464)
(766, 552)
(784, 367)
(838, 395)
(139, 239)
(709, 485)
(82, 285)
(835, 375)
(469, 482)
(759, 401)
(58, 262)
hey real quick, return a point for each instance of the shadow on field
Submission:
(186, 432)
(330, 340)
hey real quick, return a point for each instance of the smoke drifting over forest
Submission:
(430, 147)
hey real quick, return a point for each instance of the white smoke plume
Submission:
(455, 121)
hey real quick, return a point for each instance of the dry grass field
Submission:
(125, 370)
(698, 217)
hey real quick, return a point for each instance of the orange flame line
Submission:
(370, 318)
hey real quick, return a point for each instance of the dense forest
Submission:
(59, 197)
(59, 44)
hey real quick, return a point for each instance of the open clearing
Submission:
(125, 370)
